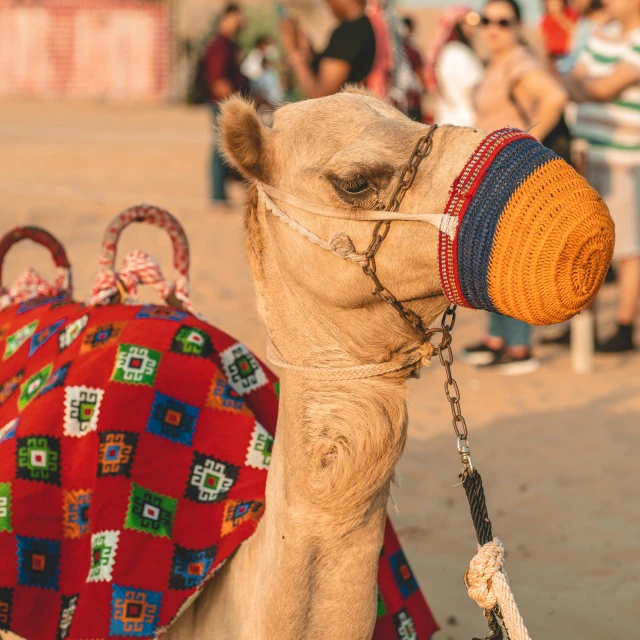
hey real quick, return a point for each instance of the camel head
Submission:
(511, 227)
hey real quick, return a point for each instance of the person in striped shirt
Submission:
(606, 82)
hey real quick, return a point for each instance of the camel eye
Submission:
(355, 185)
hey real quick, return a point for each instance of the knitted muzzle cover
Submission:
(533, 241)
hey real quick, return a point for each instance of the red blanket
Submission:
(134, 448)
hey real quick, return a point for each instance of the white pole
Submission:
(582, 338)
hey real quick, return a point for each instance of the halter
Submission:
(340, 244)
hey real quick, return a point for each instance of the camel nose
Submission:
(533, 241)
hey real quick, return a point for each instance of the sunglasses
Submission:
(503, 22)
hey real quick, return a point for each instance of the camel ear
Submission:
(244, 138)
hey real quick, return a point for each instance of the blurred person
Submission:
(606, 81)
(453, 69)
(348, 58)
(556, 26)
(259, 67)
(415, 87)
(591, 15)
(224, 77)
(517, 91)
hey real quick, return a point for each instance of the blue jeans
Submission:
(218, 170)
(515, 333)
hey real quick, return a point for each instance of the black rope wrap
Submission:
(472, 483)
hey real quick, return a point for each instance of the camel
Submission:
(309, 570)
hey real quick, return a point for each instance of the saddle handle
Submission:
(108, 287)
(38, 235)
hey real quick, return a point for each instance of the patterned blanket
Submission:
(134, 448)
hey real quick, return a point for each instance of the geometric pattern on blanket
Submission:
(134, 449)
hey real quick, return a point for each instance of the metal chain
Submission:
(380, 231)
(493, 616)
(422, 149)
(451, 389)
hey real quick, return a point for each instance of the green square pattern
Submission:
(38, 459)
(30, 389)
(136, 365)
(5, 507)
(17, 339)
(150, 512)
(192, 341)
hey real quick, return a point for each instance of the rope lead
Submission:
(486, 579)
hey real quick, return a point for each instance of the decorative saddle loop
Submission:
(31, 284)
(113, 287)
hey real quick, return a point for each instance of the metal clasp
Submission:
(465, 454)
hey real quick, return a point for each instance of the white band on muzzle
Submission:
(340, 243)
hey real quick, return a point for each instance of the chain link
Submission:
(407, 177)
(421, 150)
(451, 389)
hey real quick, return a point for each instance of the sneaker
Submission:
(507, 364)
(619, 342)
(480, 354)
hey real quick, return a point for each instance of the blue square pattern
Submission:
(42, 337)
(172, 419)
(56, 379)
(190, 567)
(134, 612)
(38, 562)
(36, 303)
(9, 430)
(154, 312)
(402, 574)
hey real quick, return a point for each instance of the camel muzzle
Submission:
(533, 240)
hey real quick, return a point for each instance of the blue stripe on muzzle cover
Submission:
(508, 171)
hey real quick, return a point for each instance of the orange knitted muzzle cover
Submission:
(534, 240)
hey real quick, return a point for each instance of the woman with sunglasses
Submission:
(515, 91)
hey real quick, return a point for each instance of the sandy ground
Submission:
(557, 451)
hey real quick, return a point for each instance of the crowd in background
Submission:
(575, 86)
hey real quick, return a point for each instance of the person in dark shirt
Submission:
(348, 57)
(416, 89)
(224, 78)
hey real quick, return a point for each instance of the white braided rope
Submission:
(138, 268)
(487, 584)
(340, 244)
(31, 285)
(420, 356)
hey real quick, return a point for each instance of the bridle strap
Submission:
(414, 358)
(341, 245)
(422, 149)
(356, 215)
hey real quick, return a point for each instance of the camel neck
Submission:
(335, 450)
